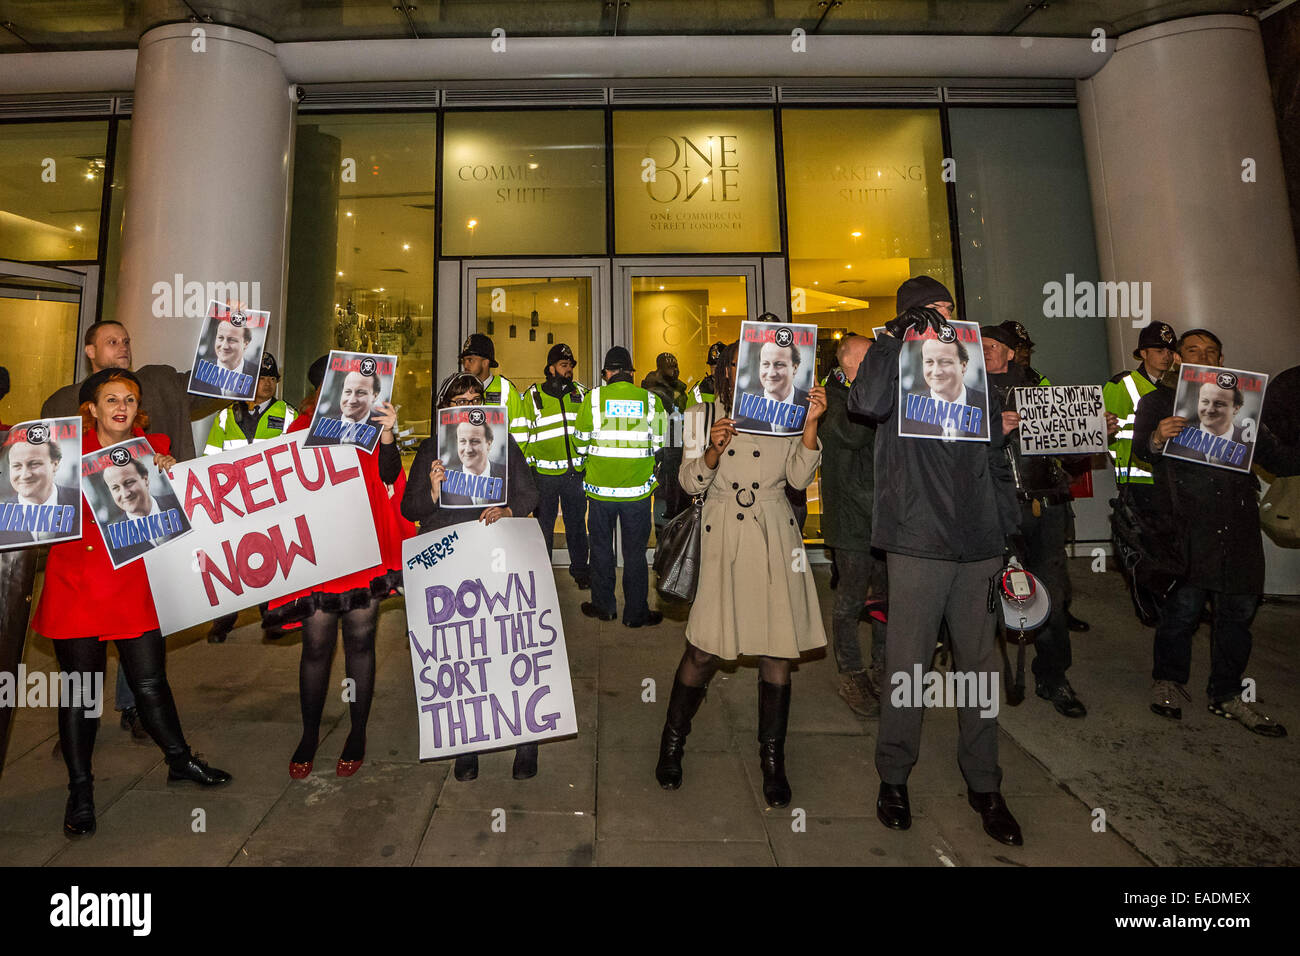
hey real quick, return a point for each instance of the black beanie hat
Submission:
(316, 372)
(920, 291)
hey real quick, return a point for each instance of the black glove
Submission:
(915, 318)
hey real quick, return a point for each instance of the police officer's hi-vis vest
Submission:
(552, 445)
(226, 433)
(1121, 395)
(499, 390)
(620, 427)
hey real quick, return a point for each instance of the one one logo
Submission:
(367, 366)
(38, 434)
(476, 416)
(1226, 380)
(119, 456)
(947, 333)
(783, 337)
(1166, 335)
(237, 319)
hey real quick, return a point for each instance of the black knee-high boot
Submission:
(77, 731)
(682, 706)
(773, 715)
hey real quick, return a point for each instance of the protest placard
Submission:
(473, 446)
(40, 483)
(355, 385)
(942, 391)
(775, 371)
(132, 499)
(1061, 419)
(228, 355)
(1222, 408)
(269, 519)
(487, 642)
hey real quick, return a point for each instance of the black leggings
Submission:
(697, 668)
(319, 637)
(144, 661)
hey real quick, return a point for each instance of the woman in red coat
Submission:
(351, 601)
(85, 603)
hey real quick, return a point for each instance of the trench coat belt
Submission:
(746, 495)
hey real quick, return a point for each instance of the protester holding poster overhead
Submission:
(943, 513)
(756, 595)
(229, 352)
(353, 400)
(85, 602)
(1213, 510)
(350, 602)
(775, 373)
(941, 384)
(424, 503)
(35, 506)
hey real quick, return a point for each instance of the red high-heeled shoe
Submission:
(347, 768)
(300, 771)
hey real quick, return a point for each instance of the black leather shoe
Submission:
(131, 721)
(590, 610)
(655, 617)
(525, 762)
(893, 808)
(79, 817)
(583, 581)
(998, 821)
(194, 768)
(1062, 697)
(466, 768)
(1075, 624)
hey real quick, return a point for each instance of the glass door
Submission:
(42, 314)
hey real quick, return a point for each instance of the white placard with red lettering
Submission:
(268, 519)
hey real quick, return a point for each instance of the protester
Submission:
(1214, 512)
(942, 513)
(620, 429)
(478, 357)
(1043, 489)
(552, 409)
(744, 476)
(85, 602)
(422, 503)
(705, 390)
(239, 425)
(350, 602)
(847, 487)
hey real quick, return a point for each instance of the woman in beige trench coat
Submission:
(756, 595)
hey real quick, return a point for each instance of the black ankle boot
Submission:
(773, 714)
(525, 762)
(190, 766)
(466, 767)
(79, 817)
(682, 705)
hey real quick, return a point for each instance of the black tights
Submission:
(143, 659)
(319, 636)
(697, 668)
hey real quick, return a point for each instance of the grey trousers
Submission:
(922, 593)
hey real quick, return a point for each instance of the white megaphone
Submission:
(1026, 605)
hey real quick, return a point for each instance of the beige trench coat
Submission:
(756, 595)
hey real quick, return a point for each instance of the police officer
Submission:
(1043, 488)
(1122, 393)
(1024, 350)
(552, 410)
(245, 422)
(620, 429)
(242, 424)
(705, 389)
(478, 357)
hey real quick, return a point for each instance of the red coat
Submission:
(83, 596)
(387, 529)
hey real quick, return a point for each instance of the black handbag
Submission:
(1148, 550)
(677, 552)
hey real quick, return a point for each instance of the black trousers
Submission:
(1045, 559)
(635, 517)
(564, 491)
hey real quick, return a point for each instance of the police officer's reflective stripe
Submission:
(640, 491)
(630, 434)
(1132, 389)
(607, 452)
(543, 436)
(543, 463)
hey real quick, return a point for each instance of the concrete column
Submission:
(208, 190)
(1167, 124)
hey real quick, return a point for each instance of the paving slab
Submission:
(509, 838)
(617, 852)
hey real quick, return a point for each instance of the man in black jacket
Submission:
(943, 511)
(1215, 512)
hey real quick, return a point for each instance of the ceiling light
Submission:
(556, 299)
(471, 224)
(77, 228)
(705, 179)
(724, 309)
(816, 283)
(848, 265)
(839, 335)
(381, 288)
(566, 304)
(856, 235)
(340, 275)
(348, 214)
(532, 165)
(406, 247)
(661, 288)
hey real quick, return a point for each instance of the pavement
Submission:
(1121, 787)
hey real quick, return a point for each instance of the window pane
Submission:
(524, 183)
(361, 250)
(505, 308)
(695, 181)
(866, 209)
(40, 335)
(51, 183)
(113, 254)
(1025, 220)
